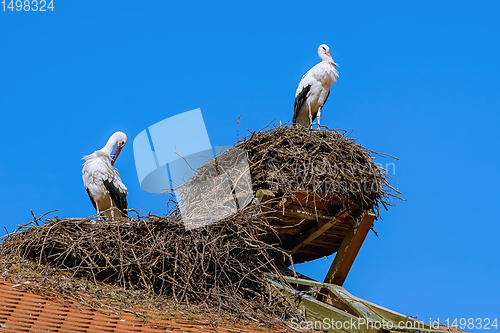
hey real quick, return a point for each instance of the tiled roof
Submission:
(24, 311)
(450, 329)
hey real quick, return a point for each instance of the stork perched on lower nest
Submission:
(102, 180)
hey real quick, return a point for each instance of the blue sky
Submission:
(418, 80)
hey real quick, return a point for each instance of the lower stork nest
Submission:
(151, 261)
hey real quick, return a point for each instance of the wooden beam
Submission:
(348, 305)
(264, 195)
(303, 214)
(349, 249)
(312, 234)
(325, 223)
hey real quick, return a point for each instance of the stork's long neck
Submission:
(327, 59)
(108, 148)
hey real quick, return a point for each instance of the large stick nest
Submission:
(295, 159)
(220, 267)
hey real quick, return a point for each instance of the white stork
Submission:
(101, 178)
(314, 88)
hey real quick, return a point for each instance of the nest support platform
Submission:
(308, 228)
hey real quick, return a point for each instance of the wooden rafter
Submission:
(347, 306)
(325, 223)
(305, 223)
(349, 249)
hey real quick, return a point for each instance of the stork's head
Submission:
(324, 54)
(119, 139)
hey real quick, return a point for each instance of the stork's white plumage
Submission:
(314, 88)
(101, 178)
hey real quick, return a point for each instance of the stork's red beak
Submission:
(328, 54)
(115, 156)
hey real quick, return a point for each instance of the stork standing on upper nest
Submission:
(314, 89)
(102, 180)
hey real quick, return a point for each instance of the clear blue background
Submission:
(418, 80)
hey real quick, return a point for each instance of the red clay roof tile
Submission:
(23, 311)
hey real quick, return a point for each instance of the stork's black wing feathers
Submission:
(119, 198)
(299, 101)
(91, 199)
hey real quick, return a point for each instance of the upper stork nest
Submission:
(296, 159)
(328, 163)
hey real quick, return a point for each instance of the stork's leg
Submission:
(310, 115)
(98, 214)
(112, 210)
(319, 117)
